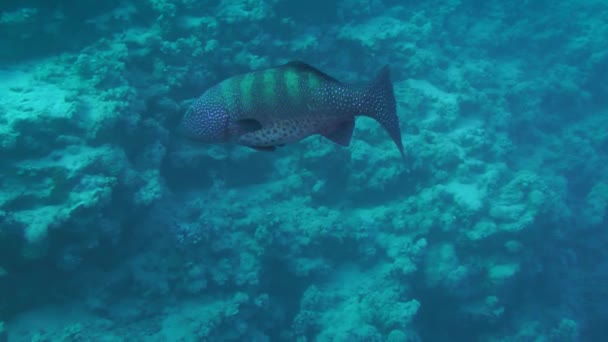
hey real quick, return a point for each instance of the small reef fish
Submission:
(281, 105)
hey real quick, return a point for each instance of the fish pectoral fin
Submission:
(342, 133)
(263, 148)
(248, 125)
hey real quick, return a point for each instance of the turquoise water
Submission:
(113, 227)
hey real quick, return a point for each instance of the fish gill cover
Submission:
(114, 227)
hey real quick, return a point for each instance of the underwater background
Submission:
(113, 228)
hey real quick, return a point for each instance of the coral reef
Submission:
(113, 226)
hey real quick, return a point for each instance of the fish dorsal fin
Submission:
(302, 66)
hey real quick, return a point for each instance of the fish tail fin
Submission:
(384, 107)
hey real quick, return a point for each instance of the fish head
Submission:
(206, 120)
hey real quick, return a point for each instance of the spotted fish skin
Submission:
(277, 106)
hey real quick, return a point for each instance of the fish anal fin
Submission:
(342, 133)
(263, 148)
(303, 66)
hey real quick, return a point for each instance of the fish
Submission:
(273, 107)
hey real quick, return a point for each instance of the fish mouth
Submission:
(182, 130)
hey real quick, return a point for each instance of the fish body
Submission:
(277, 106)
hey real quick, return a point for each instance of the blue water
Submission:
(113, 227)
